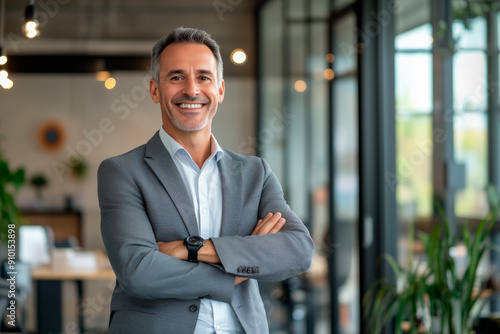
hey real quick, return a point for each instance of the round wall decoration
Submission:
(51, 136)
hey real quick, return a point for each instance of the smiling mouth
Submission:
(189, 105)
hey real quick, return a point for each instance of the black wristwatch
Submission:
(193, 244)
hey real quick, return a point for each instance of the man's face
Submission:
(187, 91)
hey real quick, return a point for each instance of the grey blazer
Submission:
(143, 200)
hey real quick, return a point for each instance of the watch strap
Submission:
(192, 253)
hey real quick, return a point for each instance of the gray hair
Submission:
(185, 35)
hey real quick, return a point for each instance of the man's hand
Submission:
(239, 279)
(271, 223)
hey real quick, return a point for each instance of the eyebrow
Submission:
(206, 72)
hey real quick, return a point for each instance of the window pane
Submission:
(339, 4)
(271, 88)
(296, 189)
(319, 103)
(411, 15)
(413, 82)
(414, 166)
(469, 81)
(345, 94)
(320, 176)
(320, 8)
(498, 25)
(344, 45)
(470, 33)
(296, 9)
(419, 38)
(471, 149)
(295, 137)
(296, 47)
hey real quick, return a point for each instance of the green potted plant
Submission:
(39, 182)
(433, 289)
(10, 182)
(80, 168)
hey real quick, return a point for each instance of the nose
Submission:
(191, 88)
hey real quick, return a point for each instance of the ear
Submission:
(222, 89)
(154, 91)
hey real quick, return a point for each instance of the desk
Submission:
(49, 295)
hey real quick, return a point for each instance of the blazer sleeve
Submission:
(271, 257)
(141, 269)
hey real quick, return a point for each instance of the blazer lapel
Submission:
(160, 161)
(231, 171)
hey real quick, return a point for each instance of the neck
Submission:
(197, 143)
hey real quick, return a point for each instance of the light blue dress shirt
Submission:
(205, 190)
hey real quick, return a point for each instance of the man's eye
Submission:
(204, 78)
(176, 78)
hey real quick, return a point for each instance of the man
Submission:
(189, 227)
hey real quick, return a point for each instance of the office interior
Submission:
(379, 118)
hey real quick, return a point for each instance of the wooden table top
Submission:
(102, 272)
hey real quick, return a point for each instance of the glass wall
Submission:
(312, 70)
(345, 183)
(470, 114)
(414, 132)
(293, 89)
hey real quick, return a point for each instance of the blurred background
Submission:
(373, 114)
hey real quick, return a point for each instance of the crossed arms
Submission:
(271, 223)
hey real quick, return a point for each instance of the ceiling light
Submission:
(5, 82)
(328, 74)
(110, 83)
(300, 86)
(102, 75)
(30, 26)
(238, 57)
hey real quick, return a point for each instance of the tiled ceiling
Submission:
(125, 27)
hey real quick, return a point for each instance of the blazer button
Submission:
(193, 308)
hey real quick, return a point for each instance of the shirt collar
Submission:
(173, 146)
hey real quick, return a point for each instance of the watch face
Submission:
(195, 241)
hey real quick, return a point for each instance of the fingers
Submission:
(271, 223)
(277, 227)
(260, 223)
(239, 279)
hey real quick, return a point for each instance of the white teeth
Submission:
(190, 105)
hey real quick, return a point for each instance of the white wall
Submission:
(80, 103)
